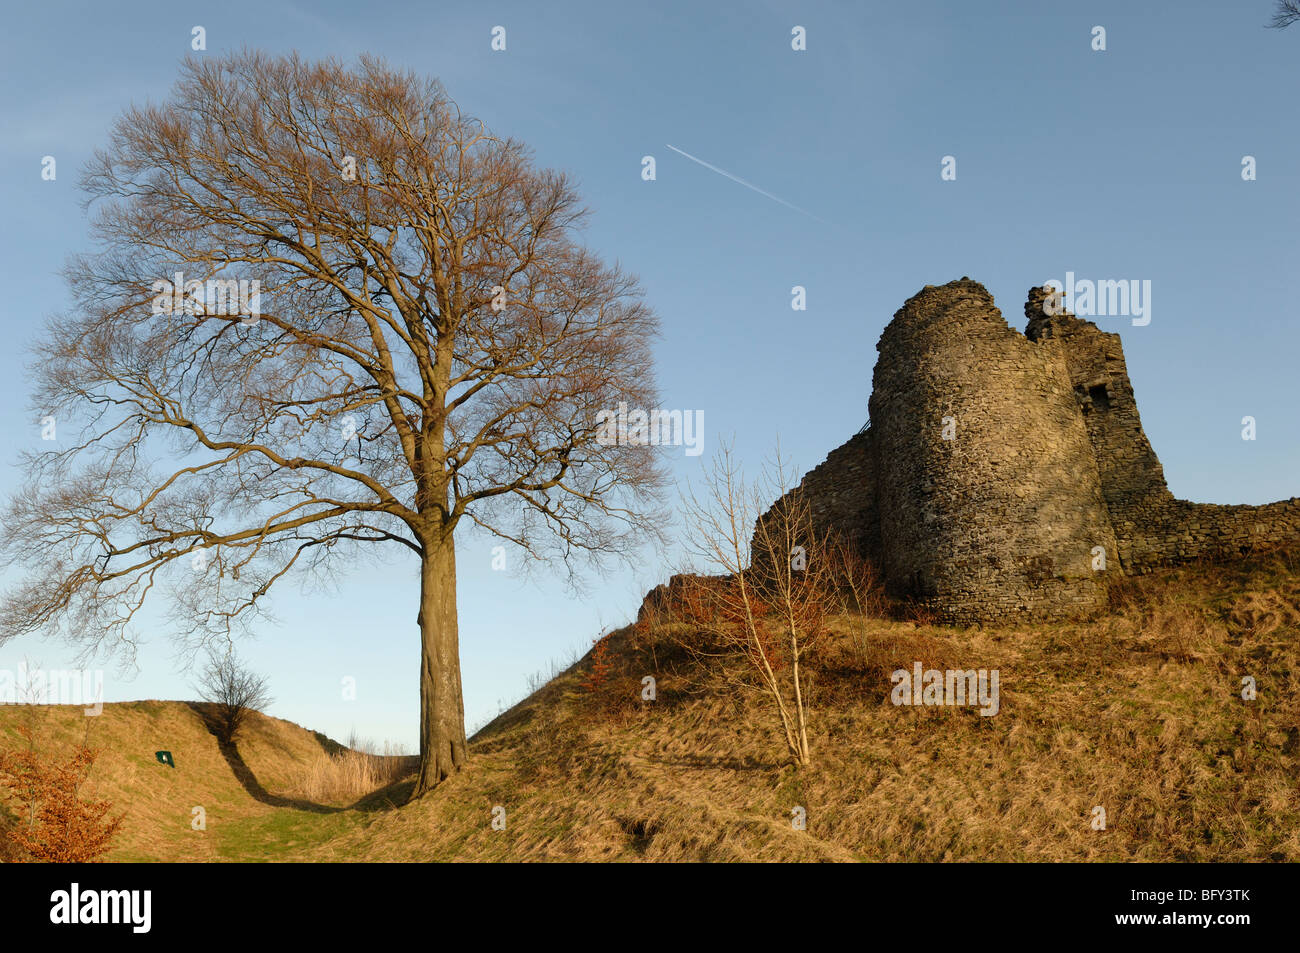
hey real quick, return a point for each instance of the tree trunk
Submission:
(442, 707)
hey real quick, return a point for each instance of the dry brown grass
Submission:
(1139, 712)
(159, 801)
(347, 775)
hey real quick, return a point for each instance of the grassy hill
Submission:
(1139, 712)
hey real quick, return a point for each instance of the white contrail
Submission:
(748, 185)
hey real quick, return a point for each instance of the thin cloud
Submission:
(749, 185)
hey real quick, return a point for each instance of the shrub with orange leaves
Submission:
(55, 824)
(602, 666)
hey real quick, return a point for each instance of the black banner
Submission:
(928, 903)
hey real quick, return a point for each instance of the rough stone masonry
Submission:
(996, 463)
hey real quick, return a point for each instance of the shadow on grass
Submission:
(709, 761)
(244, 774)
(331, 746)
(387, 798)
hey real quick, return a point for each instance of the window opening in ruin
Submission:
(1100, 399)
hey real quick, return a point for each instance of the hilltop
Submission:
(1139, 711)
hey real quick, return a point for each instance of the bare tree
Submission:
(429, 347)
(1287, 12)
(778, 582)
(233, 690)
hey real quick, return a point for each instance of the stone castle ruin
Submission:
(1005, 475)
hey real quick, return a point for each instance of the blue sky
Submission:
(1122, 164)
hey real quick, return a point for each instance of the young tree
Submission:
(429, 348)
(781, 579)
(233, 690)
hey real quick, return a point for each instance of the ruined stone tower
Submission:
(1001, 471)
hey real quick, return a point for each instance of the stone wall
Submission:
(841, 494)
(1046, 461)
(1152, 528)
(989, 499)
